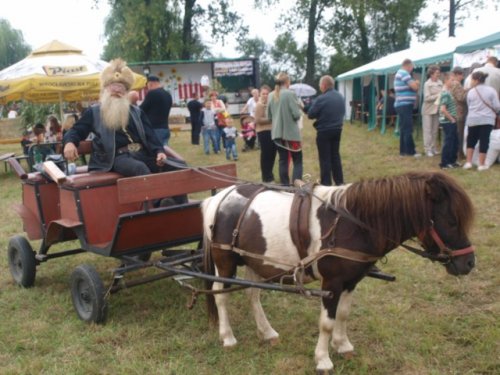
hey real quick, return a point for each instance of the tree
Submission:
(369, 29)
(143, 30)
(146, 30)
(460, 9)
(313, 11)
(13, 48)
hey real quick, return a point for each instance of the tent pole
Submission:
(384, 110)
(372, 108)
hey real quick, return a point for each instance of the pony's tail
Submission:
(208, 264)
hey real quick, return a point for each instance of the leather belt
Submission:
(131, 147)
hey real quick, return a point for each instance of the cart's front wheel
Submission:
(88, 294)
(22, 262)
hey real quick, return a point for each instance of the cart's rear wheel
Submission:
(87, 293)
(22, 262)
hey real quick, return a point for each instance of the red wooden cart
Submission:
(111, 216)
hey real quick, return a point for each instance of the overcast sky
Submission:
(77, 23)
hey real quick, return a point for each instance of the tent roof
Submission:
(421, 54)
(55, 48)
(484, 42)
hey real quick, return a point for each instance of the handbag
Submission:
(497, 119)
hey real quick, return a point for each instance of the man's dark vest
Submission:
(103, 144)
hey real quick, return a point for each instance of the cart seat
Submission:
(90, 180)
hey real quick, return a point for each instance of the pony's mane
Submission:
(400, 206)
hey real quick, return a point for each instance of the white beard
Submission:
(114, 111)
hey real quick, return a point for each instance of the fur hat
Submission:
(117, 72)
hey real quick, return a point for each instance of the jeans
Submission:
(131, 164)
(210, 135)
(231, 149)
(284, 156)
(163, 135)
(406, 144)
(268, 150)
(330, 163)
(450, 146)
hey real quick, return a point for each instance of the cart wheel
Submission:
(22, 262)
(87, 293)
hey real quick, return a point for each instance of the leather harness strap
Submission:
(299, 218)
(339, 252)
(299, 230)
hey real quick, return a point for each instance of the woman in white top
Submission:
(483, 106)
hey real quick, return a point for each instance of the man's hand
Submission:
(160, 158)
(70, 151)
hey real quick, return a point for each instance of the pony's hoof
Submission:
(324, 372)
(348, 355)
(273, 341)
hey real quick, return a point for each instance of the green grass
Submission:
(427, 322)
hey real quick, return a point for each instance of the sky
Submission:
(80, 24)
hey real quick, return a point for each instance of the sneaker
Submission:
(430, 154)
(457, 164)
(417, 155)
(436, 152)
(467, 166)
(482, 168)
(448, 166)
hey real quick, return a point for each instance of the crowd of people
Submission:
(467, 113)
(132, 139)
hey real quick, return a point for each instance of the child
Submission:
(248, 132)
(231, 134)
(448, 121)
(208, 129)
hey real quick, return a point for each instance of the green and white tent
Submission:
(365, 81)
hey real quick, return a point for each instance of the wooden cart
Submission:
(114, 217)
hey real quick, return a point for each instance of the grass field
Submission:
(426, 322)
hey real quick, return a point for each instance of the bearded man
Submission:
(124, 141)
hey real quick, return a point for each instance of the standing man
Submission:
(406, 96)
(328, 109)
(124, 141)
(194, 107)
(156, 105)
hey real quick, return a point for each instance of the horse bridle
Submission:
(445, 254)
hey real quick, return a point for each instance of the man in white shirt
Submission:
(493, 72)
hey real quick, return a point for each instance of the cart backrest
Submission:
(193, 180)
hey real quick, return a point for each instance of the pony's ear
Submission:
(435, 188)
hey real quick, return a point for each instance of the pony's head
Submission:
(430, 205)
(451, 214)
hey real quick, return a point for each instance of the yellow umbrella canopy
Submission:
(54, 73)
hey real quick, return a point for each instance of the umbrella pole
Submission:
(61, 108)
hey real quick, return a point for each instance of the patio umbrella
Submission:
(303, 89)
(55, 72)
